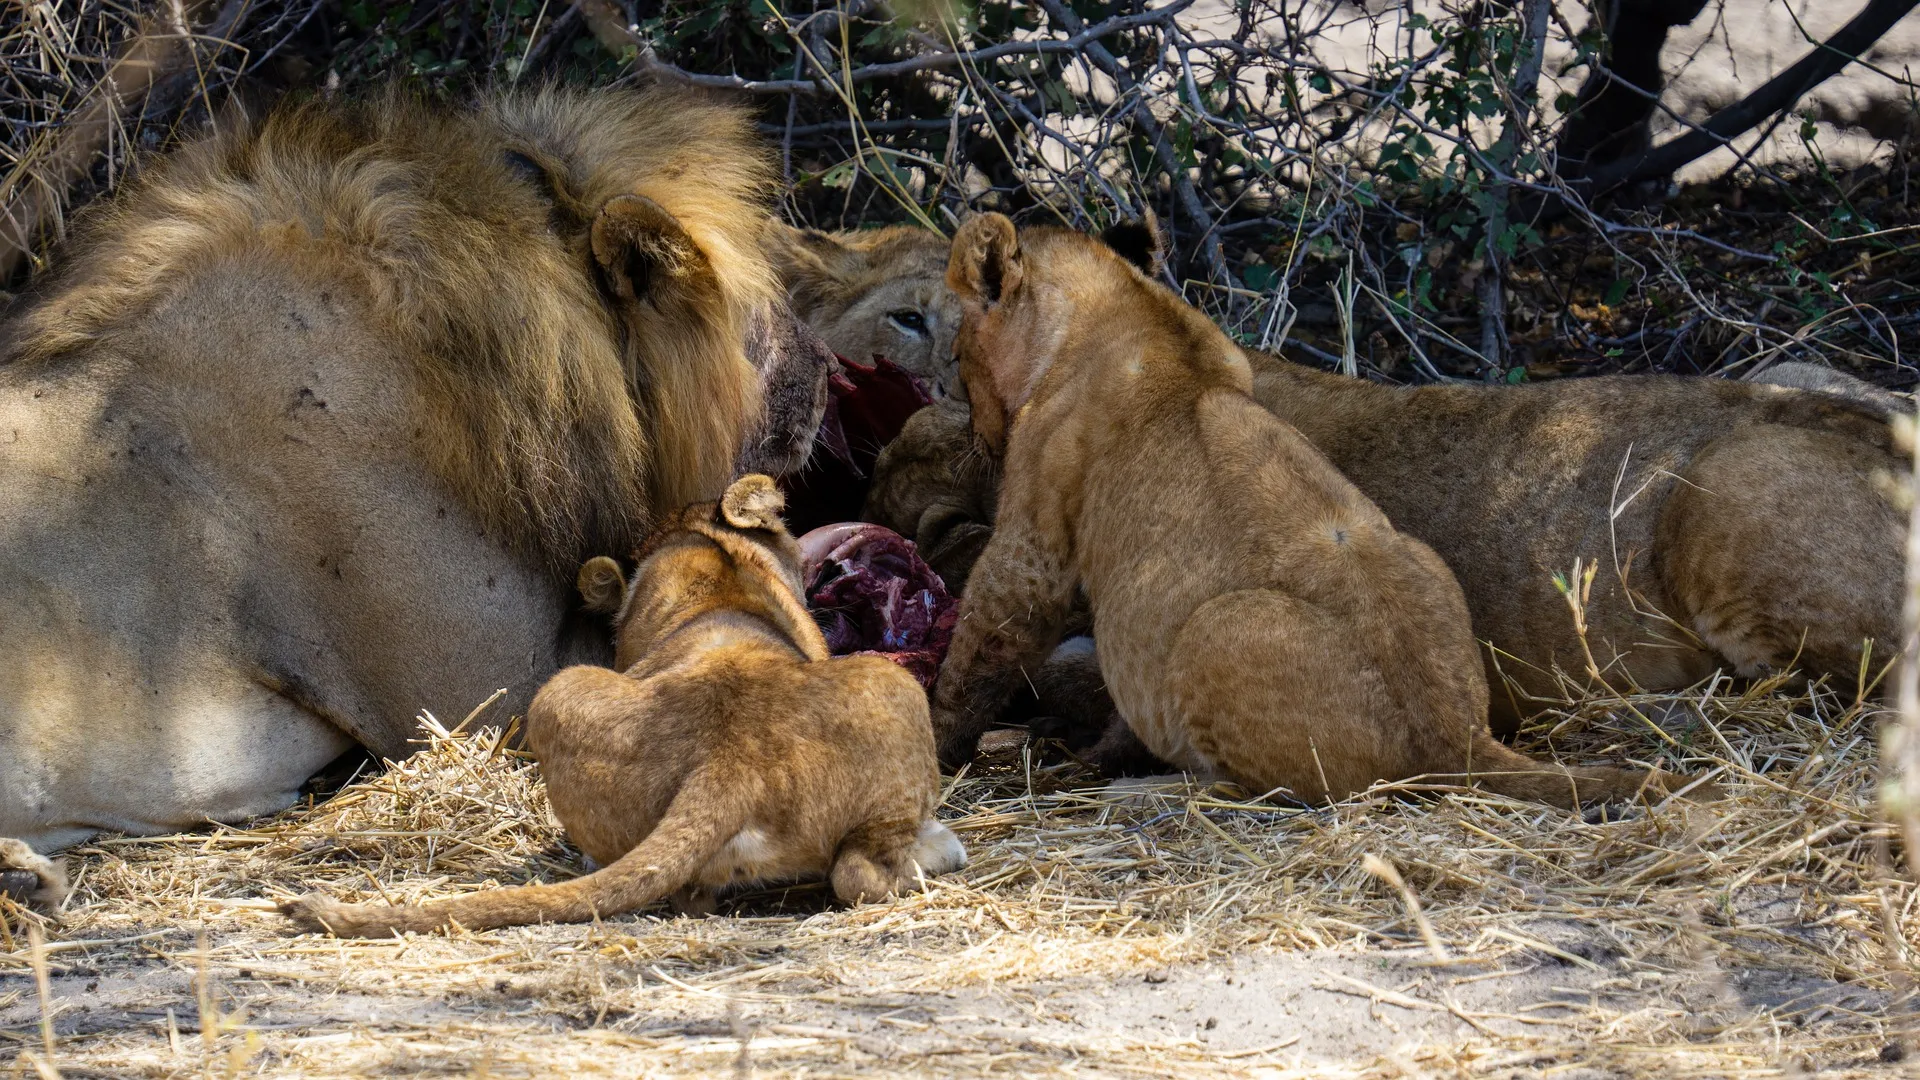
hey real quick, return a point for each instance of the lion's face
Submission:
(579, 275)
(794, 366)
(876, 292)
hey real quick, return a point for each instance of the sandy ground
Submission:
(1332, 1012)
(1145, 929)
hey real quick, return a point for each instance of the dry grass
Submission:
(1665, 919)
(1073, 885)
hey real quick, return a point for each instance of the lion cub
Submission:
(730, 749)
(1254, 613)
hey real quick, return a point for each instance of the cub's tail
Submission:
(703, 816)
(1498, 768)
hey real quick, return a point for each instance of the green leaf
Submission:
(839, 176)
(1061, 97)
(1617, 291)
(1183, 144)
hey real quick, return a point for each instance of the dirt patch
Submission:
(526, 1001)
(1164, 929)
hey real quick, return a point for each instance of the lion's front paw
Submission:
(955, 740)
(28, 877)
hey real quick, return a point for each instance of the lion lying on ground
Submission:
(875, 292)
(1734, 526)
(729, 749)
(318, 416)
(1254, 614)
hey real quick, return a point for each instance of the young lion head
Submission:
(1025, 293)
(875, 292)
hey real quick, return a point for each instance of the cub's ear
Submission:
(986, 265)
(753, 502)
(1141, 243)
(645, 253)
(602, 586)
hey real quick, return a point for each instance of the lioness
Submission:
(729, 748)
(1254, 614)
(875, 292)
(316, 418)
(1735, 525)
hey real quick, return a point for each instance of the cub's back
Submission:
(1295, 520)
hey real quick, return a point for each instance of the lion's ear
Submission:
(815, 266)
(1139, 242)
(643, 250)
(986, 265)
(602, 586)
(753, 502)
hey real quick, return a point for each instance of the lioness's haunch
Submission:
(730, 749)
(1254, 613)
(1735, 524)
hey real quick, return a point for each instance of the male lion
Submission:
(1735, 525)
(728, 749)
(875, 292)
(1253, 612)
(319, 414)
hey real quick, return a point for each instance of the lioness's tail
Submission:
(704, 815)
(1505, 771)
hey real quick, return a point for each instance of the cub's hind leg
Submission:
(890, 858)
(1257, 687)
(1780, 553)
(603, 742)
(1271, 700)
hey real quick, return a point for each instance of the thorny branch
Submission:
(1340, 182)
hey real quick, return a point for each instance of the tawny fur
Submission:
(729, 750)
(563, 426)
(603, 589)
(863, 290)
(344, 394)
(28, 877)
(1255, 615)
(1735, 524)
(936, 484)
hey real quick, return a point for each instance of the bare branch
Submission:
(35, 190)
(1776, 95)
(612, 31)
